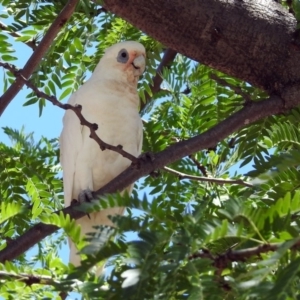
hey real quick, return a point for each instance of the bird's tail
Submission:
(103, 231)
(88, 224)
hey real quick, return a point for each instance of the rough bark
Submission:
(250, 39)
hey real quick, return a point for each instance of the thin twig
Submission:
(76, 109)
(166, 61)
(220, 181)
(199, 166)
(186, 91)
(29, 279)
(98, 11)
(236, 89)
(14, 34)
(38, 54)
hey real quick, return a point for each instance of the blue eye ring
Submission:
(123, 56)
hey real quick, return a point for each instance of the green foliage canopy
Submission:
(219, 224)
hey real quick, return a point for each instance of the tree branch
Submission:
(236, 89)
(246, 42)
(30, 44)
(38, 54)
(199, 166)
(220, 181)
(247, 115)
(76, 109)
(222, 261)
(29, 279)
(166, 61)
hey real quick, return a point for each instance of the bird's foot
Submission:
(144, 158)
(85, 196)
(147, 156)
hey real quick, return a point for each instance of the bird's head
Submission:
(123, 61)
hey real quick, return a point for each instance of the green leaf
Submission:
(65, 93)
(7, 57)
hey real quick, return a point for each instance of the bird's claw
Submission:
(144, 157)
(147, 156)
(85, 196)
(74, 202)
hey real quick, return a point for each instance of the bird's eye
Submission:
(123, 56)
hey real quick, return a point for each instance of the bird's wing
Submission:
(70, 145)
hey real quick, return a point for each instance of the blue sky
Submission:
(16, 116)
(48, 125)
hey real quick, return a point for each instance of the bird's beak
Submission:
(139, 63)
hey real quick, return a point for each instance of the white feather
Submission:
(109, 98)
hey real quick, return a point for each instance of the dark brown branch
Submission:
(38, 54)
(220, 181)
(199, 166)
(251, 40)
(247, 115)
(186, 91)
(76, 109)
(223, 260)
(236, 89)
(98, 12)
(29, 279)
(30, 44)
(166, 61)
(203, 44)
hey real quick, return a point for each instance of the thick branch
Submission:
(223, 260)
(76, 109)
(30, 44)
(220, 181)
(251, 40)
(166, 61)
(251, 113)
(38, 54)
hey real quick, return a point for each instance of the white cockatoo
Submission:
(110, 99)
